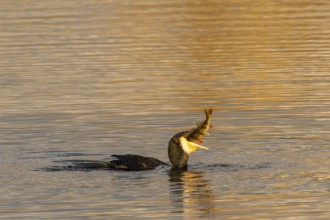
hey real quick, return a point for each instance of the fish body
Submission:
(196, 135)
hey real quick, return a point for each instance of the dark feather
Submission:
(131, 162)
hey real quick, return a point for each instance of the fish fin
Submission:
(211, 126)
(208, 112)
(190, 147)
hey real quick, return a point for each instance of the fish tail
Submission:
(208, 112)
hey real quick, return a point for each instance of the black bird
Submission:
(180, 147)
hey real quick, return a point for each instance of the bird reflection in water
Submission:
(190, 193)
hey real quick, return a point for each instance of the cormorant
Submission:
(180, 147)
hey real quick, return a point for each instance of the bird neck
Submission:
(177, 156)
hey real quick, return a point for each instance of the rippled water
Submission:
(81, 80)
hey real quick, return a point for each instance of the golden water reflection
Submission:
(93, 78)
(190, 193)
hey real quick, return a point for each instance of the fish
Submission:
(190, 140)
(196, 135)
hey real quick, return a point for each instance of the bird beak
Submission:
(190, 147)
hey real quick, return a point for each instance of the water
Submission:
(81, 80)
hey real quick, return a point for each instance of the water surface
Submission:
(81, 80)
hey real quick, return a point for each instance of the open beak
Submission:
(190, 147)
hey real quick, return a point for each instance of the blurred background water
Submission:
(81, 80)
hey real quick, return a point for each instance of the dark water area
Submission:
(82, 80)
